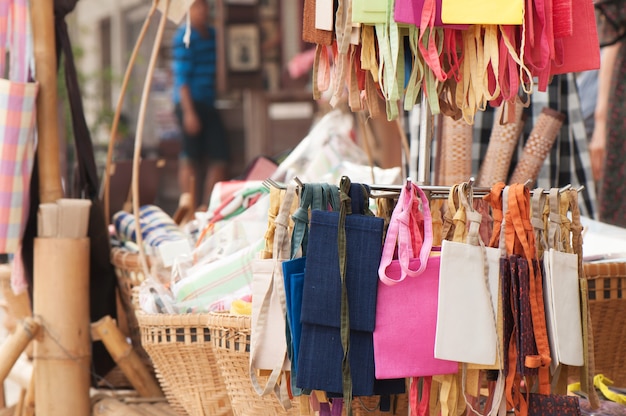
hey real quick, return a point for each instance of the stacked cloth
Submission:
(156, 226)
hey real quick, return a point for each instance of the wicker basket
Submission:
(181, 351)
(607, 307)
(231, 339)
(129, 274)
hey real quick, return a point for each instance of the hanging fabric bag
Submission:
(339, 300)
(505, 12)
(268, 343)
(406, 307)
(561, 293)
(18, 121)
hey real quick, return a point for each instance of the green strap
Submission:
(345, 209)
(417, 72)
(301, 221)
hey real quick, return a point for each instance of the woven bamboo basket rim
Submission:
(126, 259)
(607, 307)
(232, 350)
(182, 353)
(172, 320)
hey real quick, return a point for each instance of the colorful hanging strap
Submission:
(521, 230)
(345, 209)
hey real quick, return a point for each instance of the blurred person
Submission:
(607, 146)
(205, 151)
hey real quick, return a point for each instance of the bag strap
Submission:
(276, 290)
(587, 371)
(344, 210)
(520, 221)
(554, 225)
(419, 405)
(566, 224)
(447, 232)
(387, 36)
(368, 51)
(494, 198)
(318, 196)
(539, 47)
(272, 213)
(537, 221)
(460, 216)
(416, 77)
(400, 231)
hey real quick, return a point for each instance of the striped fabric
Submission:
(208, 284)
(569, 161)
(17, 122)
(156, 226)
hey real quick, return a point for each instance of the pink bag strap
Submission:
(420, 406)
(539, 47)
(432, 45)
(399, 232)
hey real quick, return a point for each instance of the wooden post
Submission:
(126, 358)
(61, 301)
(42, 17)
(15, 344)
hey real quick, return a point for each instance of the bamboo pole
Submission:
(118, 111)
(61, 301)
(15, 344)
(126, 358)
(141, 118)
(42, 17)
(29, 400)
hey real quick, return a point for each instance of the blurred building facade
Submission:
(105, 32)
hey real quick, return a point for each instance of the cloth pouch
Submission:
(410, 12)
(406, 307)
(497, 12)
(580, 51)
(369, 11)
(320, 354)
(268, 340)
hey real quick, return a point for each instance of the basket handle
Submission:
(118, 111)
(140, 127)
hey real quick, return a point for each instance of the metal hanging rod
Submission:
(435, 190)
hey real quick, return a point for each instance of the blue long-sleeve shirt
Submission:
(195, 66)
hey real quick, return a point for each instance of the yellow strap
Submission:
(602, 383)
(368, 51)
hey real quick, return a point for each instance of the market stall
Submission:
(337, 287)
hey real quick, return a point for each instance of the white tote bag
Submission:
(561, 293)
(268, 342)
(468, 297)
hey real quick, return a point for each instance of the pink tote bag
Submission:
(406, 306)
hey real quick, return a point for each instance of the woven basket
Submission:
(129, 274)
(181, 351)
(607, 307)
(231, 339)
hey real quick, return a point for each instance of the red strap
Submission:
(539, 47)
(430, 52)
(451, 38)
(420, 406)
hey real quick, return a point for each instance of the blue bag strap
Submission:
(301, 221)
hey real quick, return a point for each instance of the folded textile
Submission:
(156, 226)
